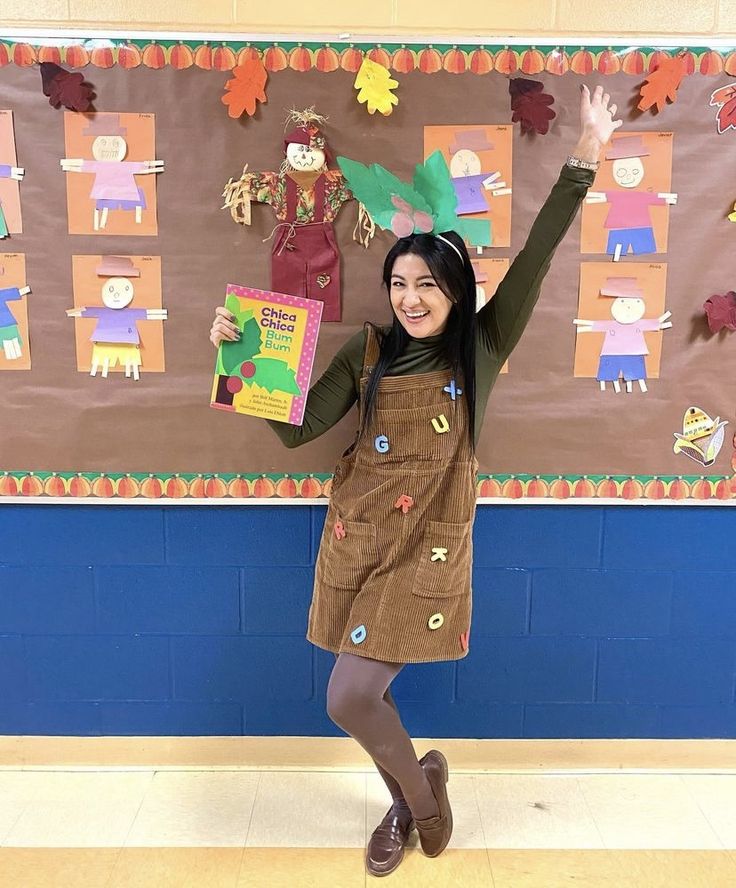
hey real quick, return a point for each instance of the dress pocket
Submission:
(445, 560)
(352, 558)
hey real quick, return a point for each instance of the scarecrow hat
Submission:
(104, 125)
(622, 288)
(306, 131)
(117, 266)
(471, 140)
(627, 146)
(426, 206)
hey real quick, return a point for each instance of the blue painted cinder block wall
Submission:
(145, 620)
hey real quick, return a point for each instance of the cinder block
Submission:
(74, 667)
(171, 719)
(698, 721)
(663, 538)
(666, 671)
(181, 12)
(600, 602)
(476, 17)
(242, 669)
(527, 670)
(634, 17)
(168, 600)
(226, 535)
(319, 15)
(276, 600)
(13, 680)
(500, 601)
(46, 599)
(537, 536)
(51, 719)
(703, 603)
(590, 720)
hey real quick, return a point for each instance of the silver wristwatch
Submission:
(583, 164)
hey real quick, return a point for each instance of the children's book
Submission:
(267, 371)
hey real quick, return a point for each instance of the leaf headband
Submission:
(426, 206)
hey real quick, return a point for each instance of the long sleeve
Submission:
(503, 319)
(330, 398)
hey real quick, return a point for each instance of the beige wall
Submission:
(617, 18)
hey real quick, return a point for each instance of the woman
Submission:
(392, 580)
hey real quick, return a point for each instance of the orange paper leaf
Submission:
(662, 84)
(246, 88)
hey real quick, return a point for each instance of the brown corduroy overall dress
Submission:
(393, 574)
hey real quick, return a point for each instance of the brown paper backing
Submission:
(540, 419)
(9, 188)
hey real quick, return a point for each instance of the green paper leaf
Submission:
(274, 375)
(432, 181)
(233, 354)
(476, 231)
(374, 186)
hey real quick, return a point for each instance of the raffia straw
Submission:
(237, 199)
(365, 227)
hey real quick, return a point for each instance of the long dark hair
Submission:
(455, 277)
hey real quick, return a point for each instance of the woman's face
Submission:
(419, 304)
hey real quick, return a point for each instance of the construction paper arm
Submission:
(502, 319)
(71, 164)
(583, 326)
(11, 172)
(330, 398)
(662, 318)
(157, 314)
(488, 182)
(595, 197)
(75, 312)
(24, 291)
(668, 197)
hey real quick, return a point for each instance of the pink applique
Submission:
(404, 503)
(339, 530)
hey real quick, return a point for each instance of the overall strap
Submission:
(372, 349)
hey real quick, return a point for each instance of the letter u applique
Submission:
(440, 424)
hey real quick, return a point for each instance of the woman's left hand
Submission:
(597, 122)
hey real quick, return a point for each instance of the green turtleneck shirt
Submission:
(500, 324)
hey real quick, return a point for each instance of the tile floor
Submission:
(307, 829)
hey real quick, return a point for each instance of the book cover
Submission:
(268, 371)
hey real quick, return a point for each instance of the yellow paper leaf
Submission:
(374, 85)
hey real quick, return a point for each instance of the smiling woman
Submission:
(392, 578)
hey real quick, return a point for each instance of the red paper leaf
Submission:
(64, 88)
(721, 311)
(246, 88)
(662, 84)
(725, 97)
(530, 105)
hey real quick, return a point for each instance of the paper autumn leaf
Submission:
(246, 88)
(64, 88)
(375, 187)
(530, 105)
(721, 311)
(725, 98)
(662, 84)
(375, 84)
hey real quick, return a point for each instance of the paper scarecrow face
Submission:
(628, 171)
(464, 163)
(628, 309)
(302, 157)
(117, 292)
(111, 148)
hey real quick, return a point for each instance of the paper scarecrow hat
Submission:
(627, 146)
(622, 288)
(117, 266)
(104, 125)
(426, 206)
(306, 131)
(471, 140)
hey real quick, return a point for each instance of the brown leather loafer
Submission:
(435, 832)
(386, 846)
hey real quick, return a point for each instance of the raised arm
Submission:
(503, 319)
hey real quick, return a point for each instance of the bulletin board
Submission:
(579, 414)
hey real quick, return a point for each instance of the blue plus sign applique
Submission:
(452, 389)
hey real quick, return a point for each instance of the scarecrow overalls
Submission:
(393, 574)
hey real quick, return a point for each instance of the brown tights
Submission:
(359, 701)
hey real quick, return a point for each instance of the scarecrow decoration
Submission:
(306, 197)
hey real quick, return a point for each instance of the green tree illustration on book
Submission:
(240, 363)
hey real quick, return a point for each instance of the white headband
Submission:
(450, 243)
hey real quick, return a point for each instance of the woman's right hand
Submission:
(223, 327)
